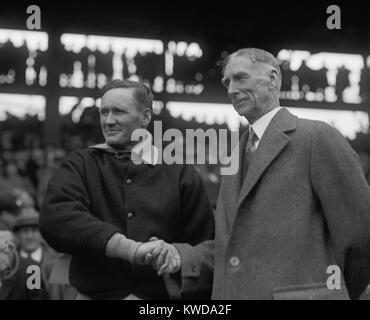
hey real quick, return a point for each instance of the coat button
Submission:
(234, 261)
(130, 215)
(128, 181)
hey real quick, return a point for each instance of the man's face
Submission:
(29, 238)
(120, 115)
(247, 86)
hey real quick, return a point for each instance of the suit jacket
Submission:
(303, 206)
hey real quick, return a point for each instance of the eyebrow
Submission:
(241, 73)
(237, 74)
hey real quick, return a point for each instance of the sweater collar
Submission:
(144, 151)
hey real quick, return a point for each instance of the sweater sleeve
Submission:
(66, 222)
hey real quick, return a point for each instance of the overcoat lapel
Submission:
(273, 142)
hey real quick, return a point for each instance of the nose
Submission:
(30, 234)
(232, 89)
(110, 119)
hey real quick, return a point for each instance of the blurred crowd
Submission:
(24, 175)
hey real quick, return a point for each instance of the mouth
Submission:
(111, 132)
(237, 104)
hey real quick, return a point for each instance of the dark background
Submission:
(224, 25)
(216, 26)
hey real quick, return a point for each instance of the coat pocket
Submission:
(311, 291)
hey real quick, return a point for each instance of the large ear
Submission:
(147, 117)
(274, 77)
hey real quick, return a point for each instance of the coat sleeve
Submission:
(344, 194)
(65, 220)
(197, 239)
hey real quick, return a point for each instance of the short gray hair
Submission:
(256, 55)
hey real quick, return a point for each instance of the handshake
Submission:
(162, 256)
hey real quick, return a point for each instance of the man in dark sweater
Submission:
(108, 211)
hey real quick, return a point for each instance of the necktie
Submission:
(249, 149)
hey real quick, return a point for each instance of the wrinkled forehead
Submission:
(117, 96)
(243, 63)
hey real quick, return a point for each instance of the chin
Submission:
(247, 111)
(31, 248)
(115, 143)
(243, 112)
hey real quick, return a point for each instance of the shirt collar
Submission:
(35, 255)
(144, 151)
(262, 123)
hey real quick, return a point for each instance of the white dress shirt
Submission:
(35, 255)
(262, 123)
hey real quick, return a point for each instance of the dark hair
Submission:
(142, 93)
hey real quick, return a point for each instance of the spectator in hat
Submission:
(26, 230)
(32, 252)
(9, 206)
(12, 200)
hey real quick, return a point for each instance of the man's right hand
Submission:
(163, 256)
(147, 251)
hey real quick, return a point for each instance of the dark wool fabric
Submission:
(94, 195)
